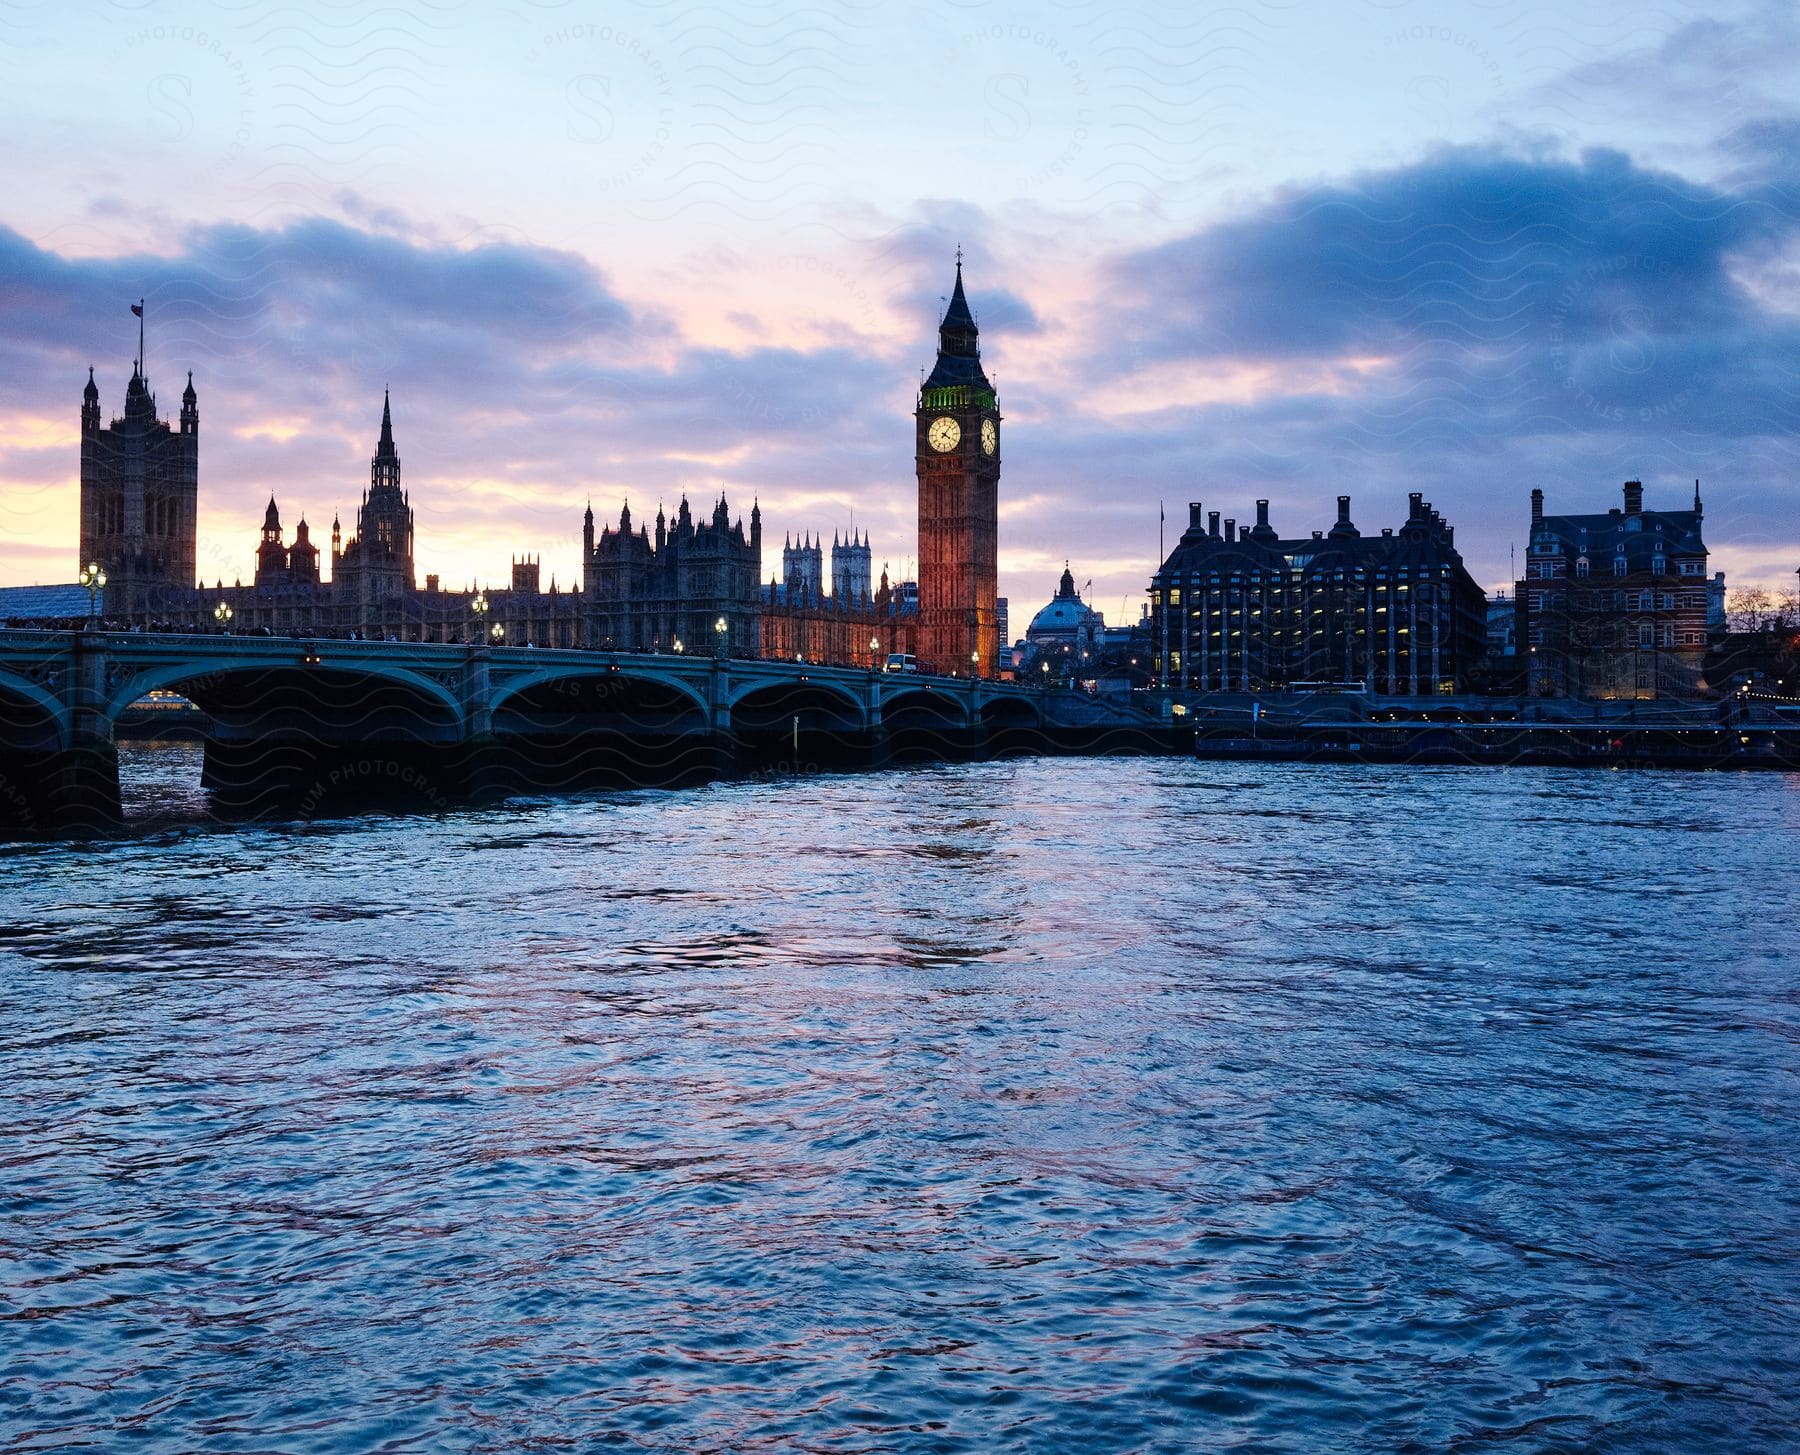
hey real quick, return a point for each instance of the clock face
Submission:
(990, 437)
(944, 434)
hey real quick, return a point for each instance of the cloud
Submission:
(1471, 324)
(524, 384)
(1490, 252)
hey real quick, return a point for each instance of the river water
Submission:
(1045, 1105)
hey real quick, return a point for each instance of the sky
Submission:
(611, 252)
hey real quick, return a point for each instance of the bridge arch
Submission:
(1012, 711)
(368, 699)
(600, 672)
(612, 703)
(817, 702)
(31, 718)
(924, 705)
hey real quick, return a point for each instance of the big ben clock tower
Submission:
(957, 448)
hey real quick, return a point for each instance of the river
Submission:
(1135, 1105)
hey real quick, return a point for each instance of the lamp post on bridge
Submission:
(222, 613)
(497, 634)
(720, 629)
(479, 606)
(93, 577)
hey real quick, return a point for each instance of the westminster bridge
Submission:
(316, 725)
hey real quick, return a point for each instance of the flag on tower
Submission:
(138, 309)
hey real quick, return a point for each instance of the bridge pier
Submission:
(72, 792)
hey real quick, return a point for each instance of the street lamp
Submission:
(974, 664)
(678, 645)
(497, 633)
(719, 629)
(478, 604)
(93, 576)
(222, 613)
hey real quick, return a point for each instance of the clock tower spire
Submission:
(957, 457)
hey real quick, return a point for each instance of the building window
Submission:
(1646, 635)
(1618, 565)
(1659, 564)
(1581, 565)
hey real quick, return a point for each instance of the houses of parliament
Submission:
(692, 582)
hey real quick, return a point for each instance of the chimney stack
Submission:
(1262, 515)
(1212, 524)
(1537, 507)
(1414, 505)
(1343, 510)
(1193, 515)
(1230, 530)
(1634, 497)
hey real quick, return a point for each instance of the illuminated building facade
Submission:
(1248, 611)
(957, 459)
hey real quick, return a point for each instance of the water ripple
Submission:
(1144, 1106)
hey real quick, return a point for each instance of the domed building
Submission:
(1066, 630)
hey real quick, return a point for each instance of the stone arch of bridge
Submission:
(31, 718)
(924, 706)
(1011, 711)
(818, 703)
(581, 696)
(350, 700)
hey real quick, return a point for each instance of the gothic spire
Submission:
(959, 346)
(386, 447)
(957, 315)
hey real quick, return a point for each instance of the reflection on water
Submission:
(159, 782)
(1143, 1105)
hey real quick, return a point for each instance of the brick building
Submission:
(1615, 605)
